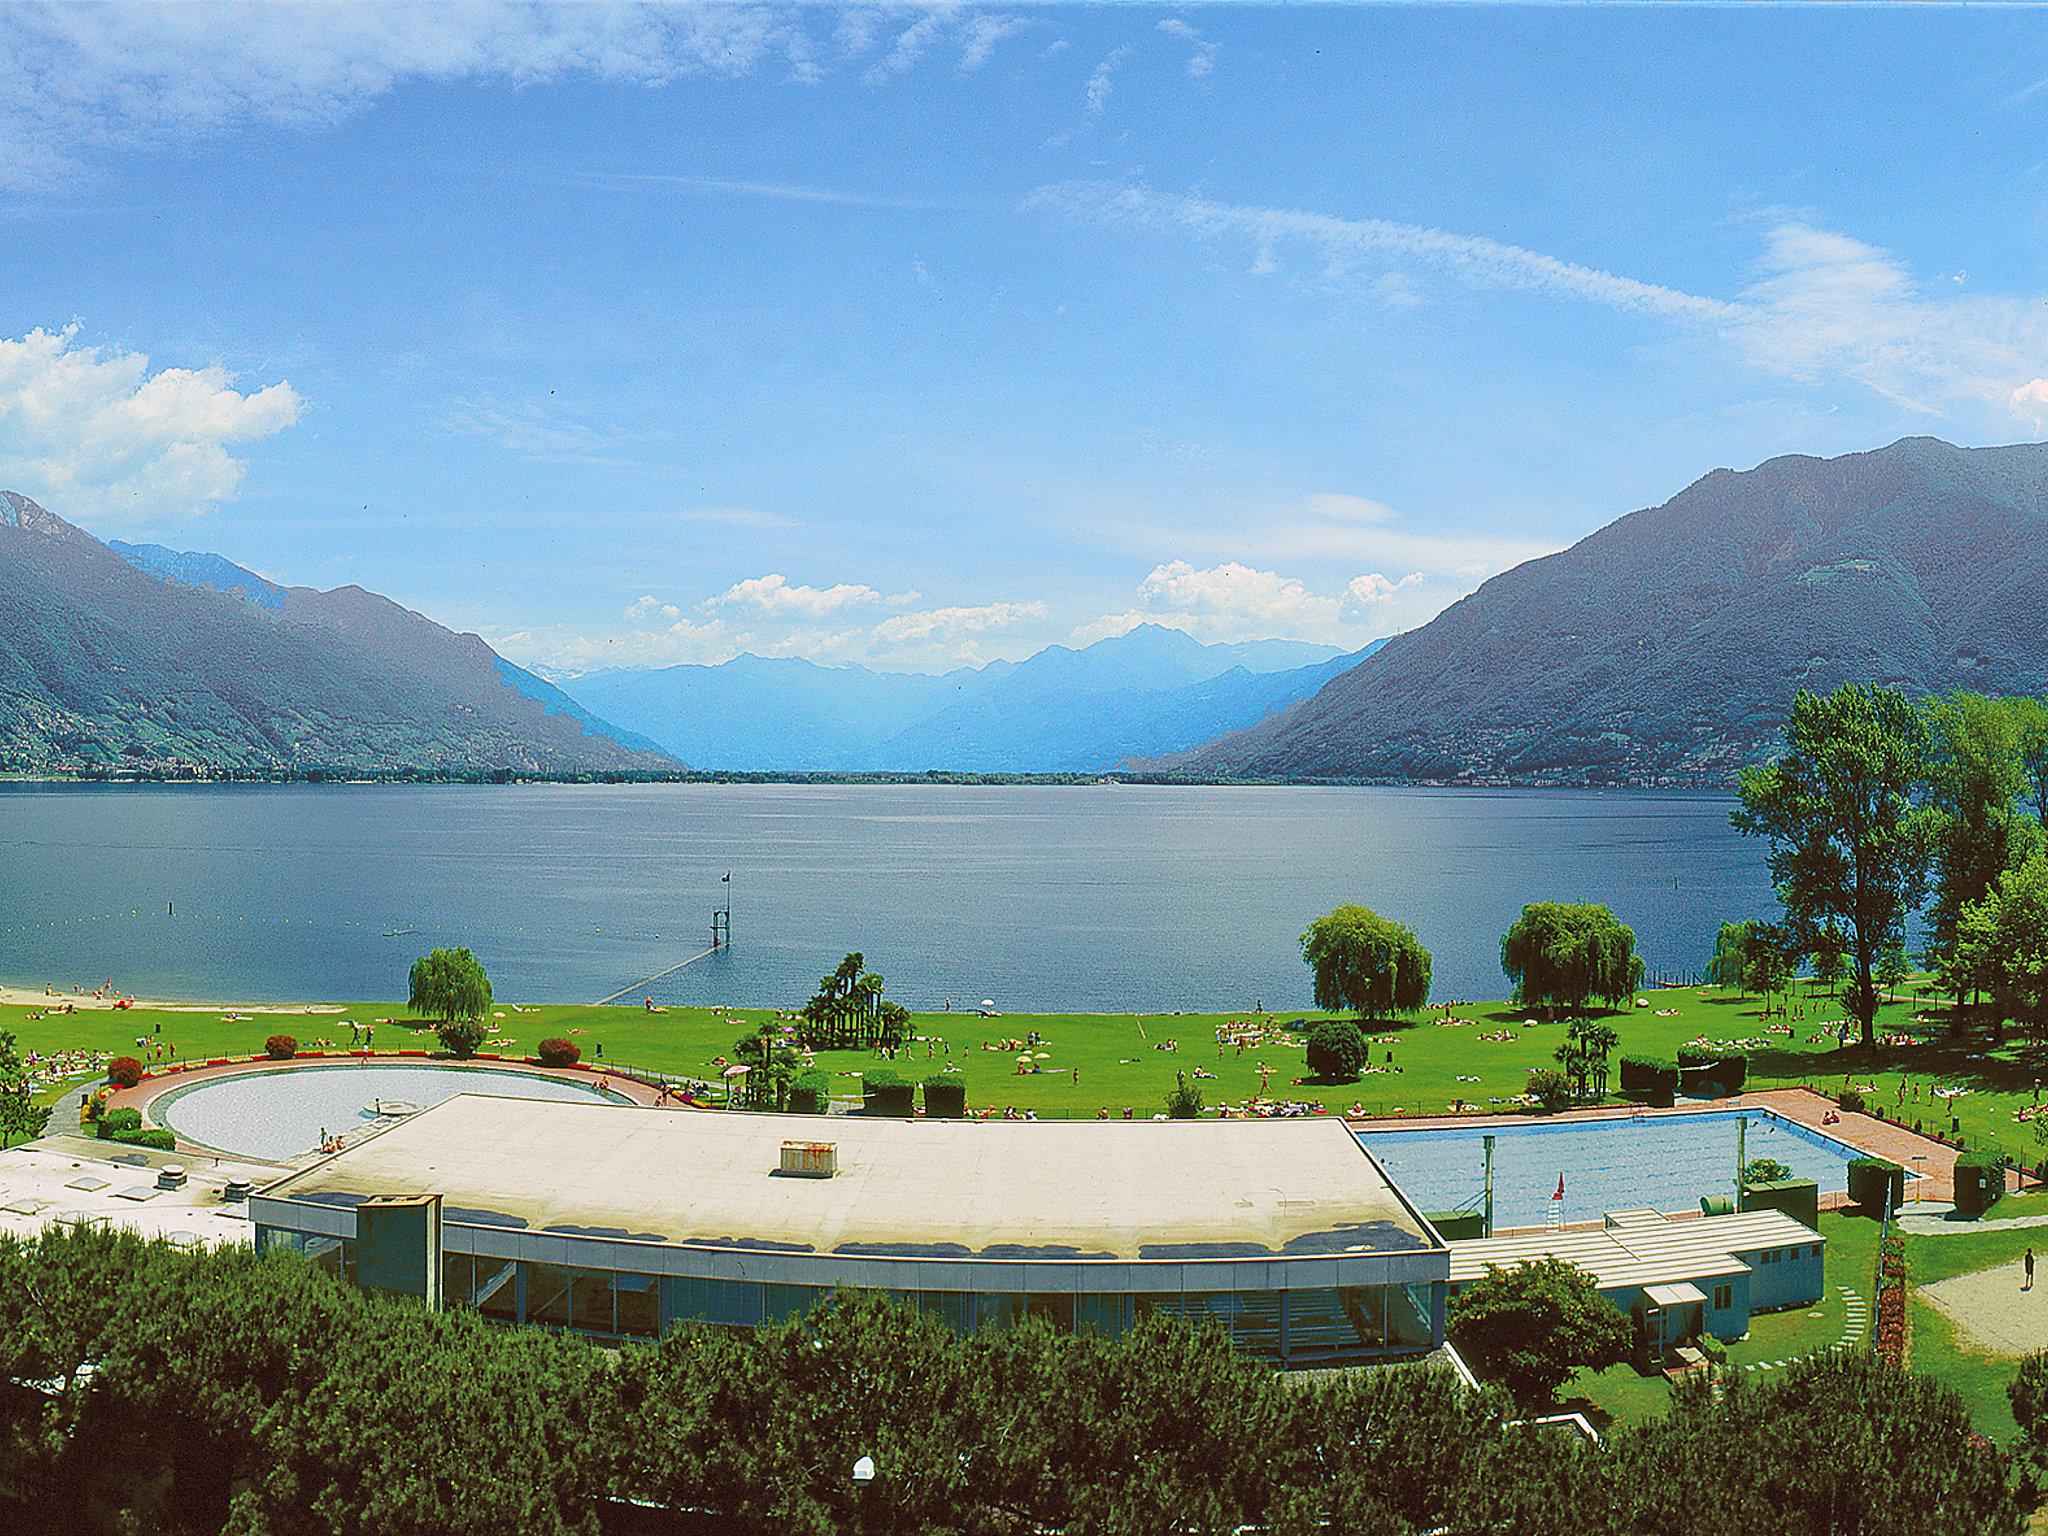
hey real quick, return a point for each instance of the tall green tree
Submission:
(449, 986)
(1563, 956)
(1837, 811)
(21, 1117)
(1830, 955)
(1767, 961)
(1588, 1044)
(1366, 963)
(1976, 824)
(2006, 942)
(1527, 1329)
(1727, 968)
(2030, 723)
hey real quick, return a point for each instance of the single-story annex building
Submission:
(620, 1222)
(1677, 1278)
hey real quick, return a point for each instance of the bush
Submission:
(1649, 1079)
(461, 1037)
(882, 1092)
(148, 1136)
(1550, 1088)
(1183, 1100)
(557, 1052)
(1336, 1052)
(810, 1094)
(1873, 1181)
(1980, 1179)
(1851, 1102)
(124, 1071)
(115, 1121)
(1765, 1170)
(945, 1097)
(280, 1047)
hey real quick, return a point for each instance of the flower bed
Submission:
(1891, 1299)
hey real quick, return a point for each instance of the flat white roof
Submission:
(46, 1183)
(1638, 1252)
(1165, 1190)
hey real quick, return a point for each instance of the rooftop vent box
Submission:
(810, 1159)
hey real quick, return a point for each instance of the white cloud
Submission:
(648, 606)
(1202, 62)
(983, 34)
(774, 593)
(1374, 588)
(1230, 601)
(1100, 83)
(543, 430)
(2031, 401)
(1818, 307)
(96, 433)
(944, 625)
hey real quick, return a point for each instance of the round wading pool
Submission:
(281, 1112)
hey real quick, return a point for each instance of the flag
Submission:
(725, 879)
(1560, 1188)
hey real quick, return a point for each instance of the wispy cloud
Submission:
(543, 430)
(1202, 62)
(774, 191)
(1101, 82)
(1816, 305)
(984, 34)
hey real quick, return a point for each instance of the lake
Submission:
(1041, 898)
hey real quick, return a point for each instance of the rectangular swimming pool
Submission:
(1666, 1161)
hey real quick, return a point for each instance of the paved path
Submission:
(1855, 1322)
(1934, 1225)
(1993, 1316)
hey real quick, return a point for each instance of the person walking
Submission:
(2028, 1283)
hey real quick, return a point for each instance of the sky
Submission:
(920, 336)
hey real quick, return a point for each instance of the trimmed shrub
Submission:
(811, 1093)
(1653, 1081)
(1980, 1179)
(124, 1071)
(280, 1047)
(461, 1037)
(945, 1097)
(557, 1052)
(1336, 1052)
(148, 1136)
(1705, 1071)
(116, 1121)
(1550, 1088)
(882, 1092)
(1873, 1181)
(1851, 1102)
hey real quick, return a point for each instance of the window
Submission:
(1724, 1297)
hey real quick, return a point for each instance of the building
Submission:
(621, 1222)
(1677, 1278)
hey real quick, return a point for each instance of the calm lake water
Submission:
(1044, 898)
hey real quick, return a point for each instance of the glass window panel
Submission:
(1108, 1315)
(1255, 1324)
(997, 1309)
(1056, 1307)
(950, 1307)
(496, 1292)
(547, 1295)
(590, 1300)
(458, 1278)
(780, 1303)
(724, 1303)
(1409, 1321)
(636, 1303)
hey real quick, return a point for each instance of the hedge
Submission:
(810, 1094)
(1980, 1179)
(1700, 1068)
(945, 1098)
(883, 1092)
(1872, 1179)
(1650, 1079)
(149, 1136)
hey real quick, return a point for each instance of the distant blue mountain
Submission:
(1148, 692)
(200, 570)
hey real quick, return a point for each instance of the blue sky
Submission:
(919, 336)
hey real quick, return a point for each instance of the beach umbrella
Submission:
(737, 1071)
(1045, 1056)
(1025, 1057)
(988, 1002)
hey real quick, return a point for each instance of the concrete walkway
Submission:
(1940, 1221)
(1992, 1315)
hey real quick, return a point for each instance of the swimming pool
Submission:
(1662, 1161)
(283, 1112)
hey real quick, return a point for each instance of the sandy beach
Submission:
(36, 997)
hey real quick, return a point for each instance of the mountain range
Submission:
(1666, 647)
(143, 660)
(1150, 691)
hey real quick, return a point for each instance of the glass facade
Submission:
(1289, 1327)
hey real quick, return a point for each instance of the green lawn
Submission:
(1121, 1063)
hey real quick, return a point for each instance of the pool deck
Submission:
(1935, 1161)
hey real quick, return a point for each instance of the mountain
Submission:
(1667, 646)
(155, 661)
(1153, 690)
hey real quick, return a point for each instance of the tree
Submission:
(1974, 824)
(1830, 957)
(1766, 961)
(772, 1062)
(2030, 725)
(1893, 967)
(1336, 1052)
(2005, 941)
(1366, 963)
(1587, 1046)
(1836, 810)
(1726, 969)
(1765, 1170)
(450, 987)
(848, 1011)
(1183, 1100)
(1562, 956)
(21, 1117)
(1529, 1328)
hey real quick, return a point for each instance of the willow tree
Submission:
(449, 986)
(1846, 844)
(1365, 963)
(1561, 955)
